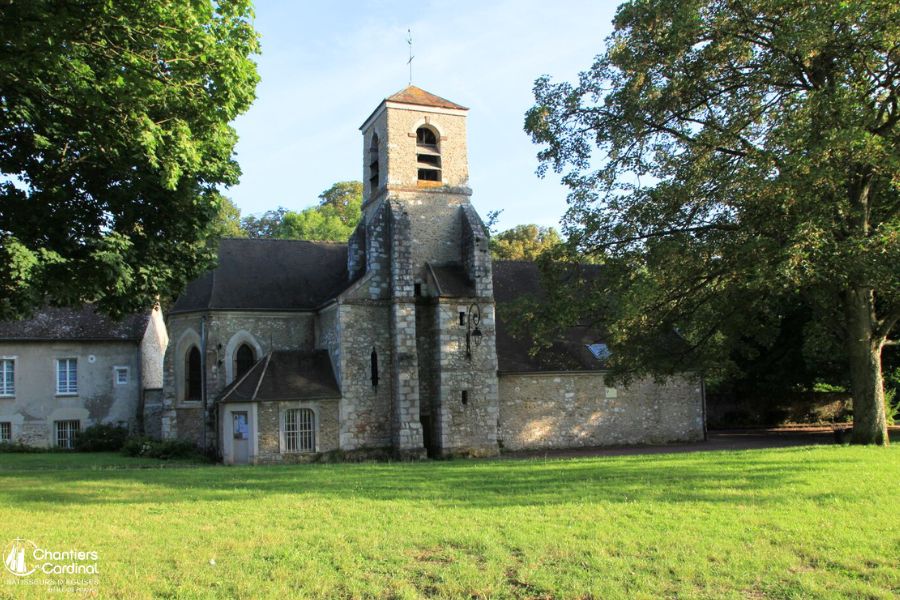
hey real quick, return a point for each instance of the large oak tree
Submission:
(114, 141)
(724, 156)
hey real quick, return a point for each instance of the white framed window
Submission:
(5, 432)
(7, 377)
(66, 432)
(299, 430)
(120, 375)
(67, 376)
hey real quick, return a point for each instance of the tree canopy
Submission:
(114, 142)
(523, 242)
(724, 157)
(333, 220)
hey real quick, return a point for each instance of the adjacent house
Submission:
(391, 343)
(66, 369)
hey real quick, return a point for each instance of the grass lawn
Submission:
(814, 522)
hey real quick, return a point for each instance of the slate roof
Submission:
(286, 375)
(416, 95)
(267, 274)
(569, 350)
(74, 324)
(452, 281)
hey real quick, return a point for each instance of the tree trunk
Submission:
(864, 354)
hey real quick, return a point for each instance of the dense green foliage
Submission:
(227, 223)
(159, 449)
(791, 523)
(729, 161)
(114, 139)
(523, 242)
(332, 220)
(101, 438)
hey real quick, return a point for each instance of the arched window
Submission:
(428, 155)
(243, 360)
(373, 163)
(192, 374)
(374, 367)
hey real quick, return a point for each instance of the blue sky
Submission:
(326, 65)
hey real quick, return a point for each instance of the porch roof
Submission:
(286, 375)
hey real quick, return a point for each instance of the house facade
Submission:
(391, 344)
(66, 369)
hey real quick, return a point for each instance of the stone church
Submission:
(390, 344)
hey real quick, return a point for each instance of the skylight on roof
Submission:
(599, 351)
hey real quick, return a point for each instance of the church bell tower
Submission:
(416, 193)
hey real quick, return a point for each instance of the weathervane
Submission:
(409, 62)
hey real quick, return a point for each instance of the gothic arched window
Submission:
(243, 360)
(428, 155)
(192, 375)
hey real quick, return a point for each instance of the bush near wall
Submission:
(164, 449)
(101, 438)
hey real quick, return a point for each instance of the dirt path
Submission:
(736, 439)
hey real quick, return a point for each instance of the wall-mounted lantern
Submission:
(473, 333)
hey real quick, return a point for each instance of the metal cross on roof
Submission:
(411, 57)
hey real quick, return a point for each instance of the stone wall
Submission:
(226, 331)
(435, 227)
(466, 425)
(406, 425)
(402, 123)
(569, 410)
(476, 252)
(151, 417)
(365, 409)
(269, 427)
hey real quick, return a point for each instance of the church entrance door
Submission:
(240, 421)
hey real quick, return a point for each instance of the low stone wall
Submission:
(567, 410)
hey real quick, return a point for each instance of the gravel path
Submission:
(735, 439)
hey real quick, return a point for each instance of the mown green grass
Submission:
(813, 522)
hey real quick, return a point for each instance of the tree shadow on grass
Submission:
(737, 478)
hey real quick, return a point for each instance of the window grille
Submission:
(300, 430)
(66, 432)
(5, 432)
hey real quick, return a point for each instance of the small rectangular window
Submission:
(429, 175)
(417, 290)
(5, 432)
(462, 318)
(67, 376)
(465, 396)
(7, 377)
(121, 375)
(66, 431)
